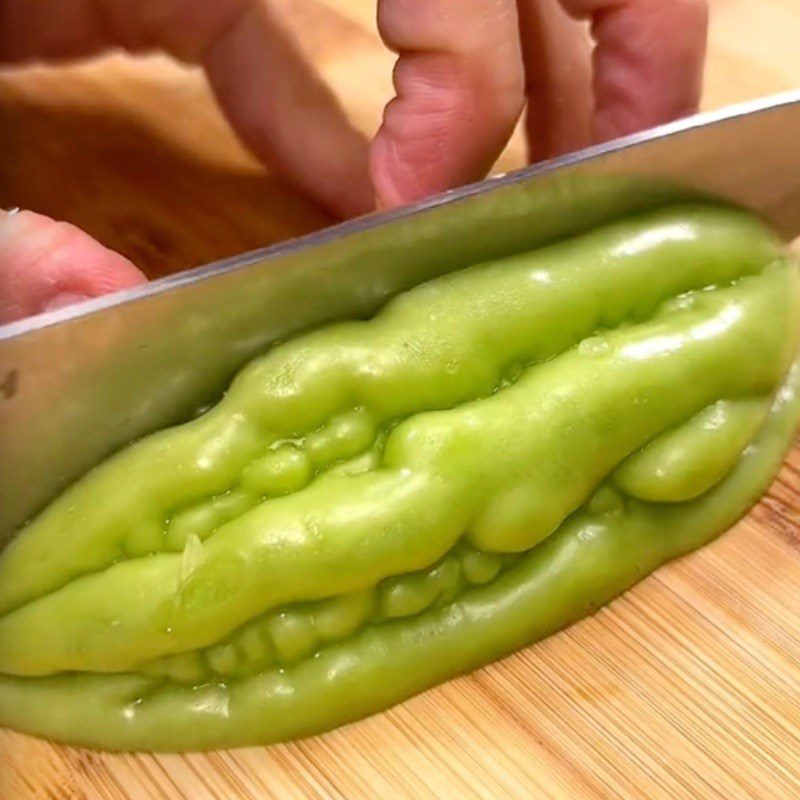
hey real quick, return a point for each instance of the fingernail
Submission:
(5, 215)
(63, 299)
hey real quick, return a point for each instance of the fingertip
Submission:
(648, 62)
(46, 264)
(459, 87)
(445, 128)
(390, 176)
(286, 114)
(62, 300)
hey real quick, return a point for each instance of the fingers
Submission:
(557, 54)
(46, 265)
(39, 29)
(459, 79)
(648, 62)
(285, 113)
(460, 89)
(277, 104)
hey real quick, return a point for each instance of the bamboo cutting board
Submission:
(686, 687)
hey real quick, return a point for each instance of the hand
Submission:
(465, 71)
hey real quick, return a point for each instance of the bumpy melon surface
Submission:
(376, 506)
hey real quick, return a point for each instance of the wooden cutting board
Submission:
(686, 687)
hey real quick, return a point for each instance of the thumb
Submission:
(46, 265)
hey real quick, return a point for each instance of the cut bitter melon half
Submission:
(377, 506)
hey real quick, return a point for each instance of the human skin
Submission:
(465, 71)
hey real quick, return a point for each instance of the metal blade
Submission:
(78, 383)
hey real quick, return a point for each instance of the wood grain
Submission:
(686, 687)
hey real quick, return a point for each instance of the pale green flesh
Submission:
(561, 429)
(593, 557)
(411, 469)
(682, 464)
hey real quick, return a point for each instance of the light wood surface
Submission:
(686, 687)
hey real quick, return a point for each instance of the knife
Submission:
(78, 383)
